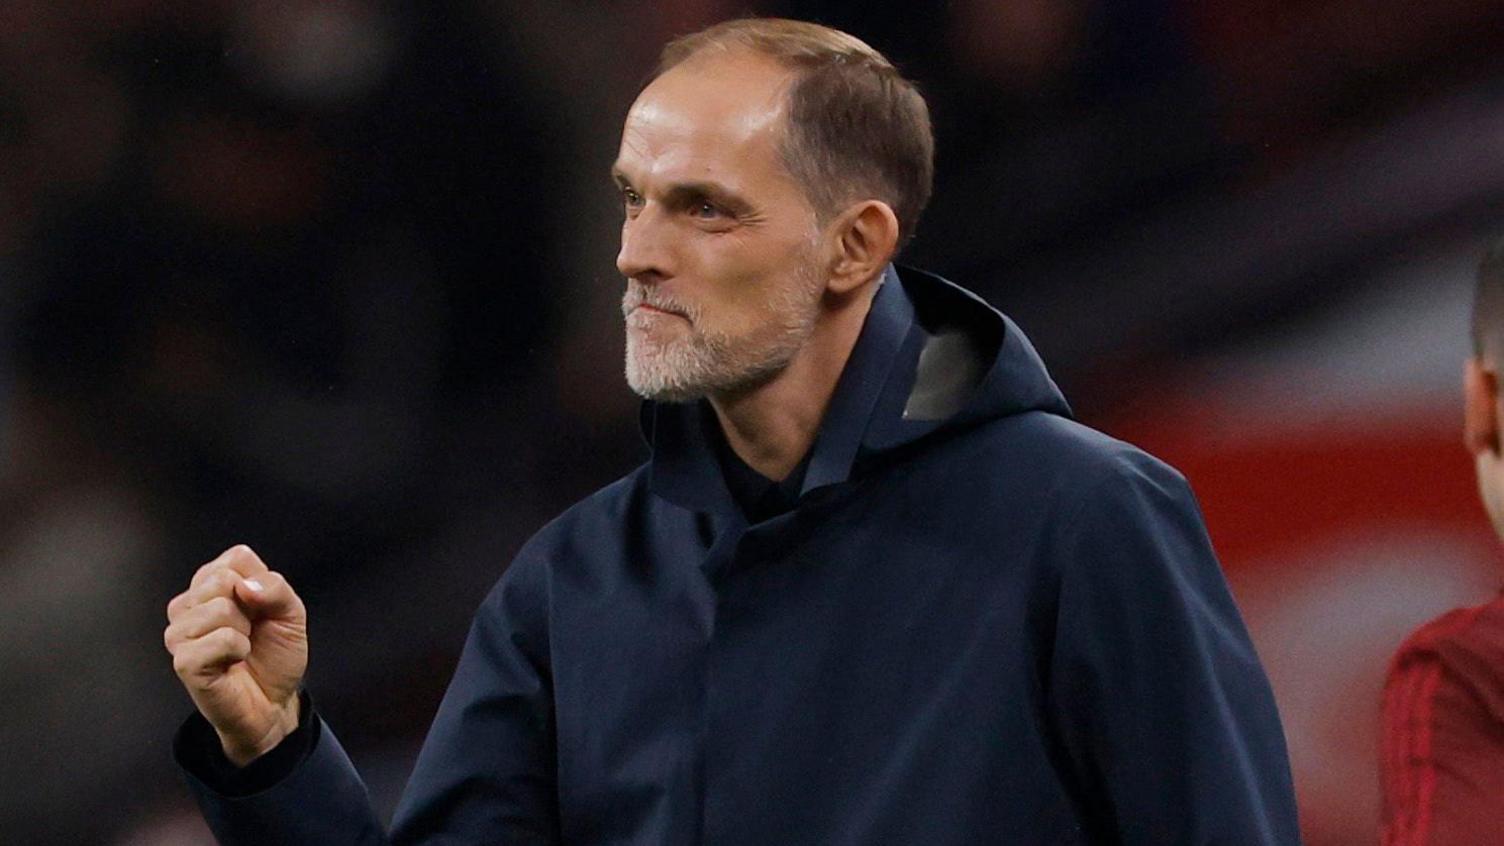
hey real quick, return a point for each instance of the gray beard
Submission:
(690, 368)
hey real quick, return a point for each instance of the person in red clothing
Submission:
(1442, 751)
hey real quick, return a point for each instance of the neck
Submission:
(772, 426)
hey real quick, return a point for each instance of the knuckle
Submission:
(218, 612)
(205, 569)
(242, 553)
(275, 582)
(219, 608)
(231, 642)
(220, 582)
(281, 590)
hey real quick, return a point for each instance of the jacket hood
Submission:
(967, 363)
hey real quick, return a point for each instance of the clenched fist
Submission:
(239, 642)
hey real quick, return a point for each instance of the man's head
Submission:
(1481, 384)
(768, 173)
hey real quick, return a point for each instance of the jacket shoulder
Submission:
(1068, 458)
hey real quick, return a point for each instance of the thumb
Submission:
(269, 595)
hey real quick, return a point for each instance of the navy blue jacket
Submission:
(980, 623)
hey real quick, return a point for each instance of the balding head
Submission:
(855, 128)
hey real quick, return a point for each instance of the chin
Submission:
(690, 369)
(658, 391)
(652, 381)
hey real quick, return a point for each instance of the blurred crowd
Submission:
(335, 278)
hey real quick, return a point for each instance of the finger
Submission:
(219, 612)
(217, 583)
(177, 605)
(207, 581)
(239, 558)
(208, 654)
(269, 595)
(184, 602)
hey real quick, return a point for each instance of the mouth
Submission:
(650, 309)
(638, 305)
(643, 310)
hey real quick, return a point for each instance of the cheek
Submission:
(724, 284)
(742, 279)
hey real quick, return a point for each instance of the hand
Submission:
(239, 642)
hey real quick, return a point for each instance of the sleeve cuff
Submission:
(305, 792)
(197, 749)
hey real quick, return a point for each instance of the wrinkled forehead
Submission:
(707, 113)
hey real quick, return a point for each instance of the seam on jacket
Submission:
(1425, 788)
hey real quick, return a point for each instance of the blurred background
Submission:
(335, 278)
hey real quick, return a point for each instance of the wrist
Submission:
(242, 752)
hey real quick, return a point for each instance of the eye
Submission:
(706, 210)
(631, 198)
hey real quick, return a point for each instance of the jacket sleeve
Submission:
(1443, 741)
(320, 799)
(1166, 717)
(485, 773)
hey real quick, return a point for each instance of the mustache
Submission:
(640, 295)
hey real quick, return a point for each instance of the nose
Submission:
(644, 246)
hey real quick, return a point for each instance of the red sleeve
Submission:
(1442, 755)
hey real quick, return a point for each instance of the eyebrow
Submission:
(683, 192)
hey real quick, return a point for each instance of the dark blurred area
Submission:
(335, 278)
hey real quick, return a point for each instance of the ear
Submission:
(864, 238)
(1480, 400)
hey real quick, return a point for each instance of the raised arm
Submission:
(239, 642)
(265, 771)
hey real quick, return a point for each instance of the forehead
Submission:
(708, 118)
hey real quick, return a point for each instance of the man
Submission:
(1442, 745)
(873, 586)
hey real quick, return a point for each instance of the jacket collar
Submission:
(684, 469)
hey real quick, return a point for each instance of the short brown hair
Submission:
(857, 128)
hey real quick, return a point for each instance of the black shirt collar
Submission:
(758, 497)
